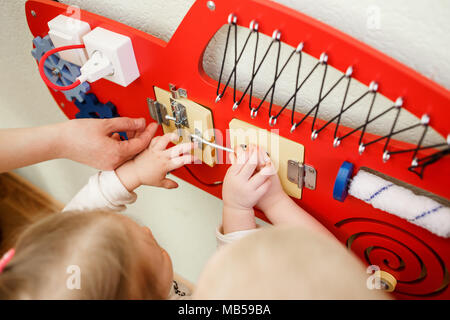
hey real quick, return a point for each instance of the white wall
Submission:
(414, 32)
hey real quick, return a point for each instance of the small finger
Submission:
(169, 184)
(154, 140)
(179, 149)
(263, 157)
(131, 147)
(249, 167)
(232, 157)
(164, 140)
(258, 180)
(116, 136)
(269, 169)
(178, 162)
(240, 160)
(261, 190)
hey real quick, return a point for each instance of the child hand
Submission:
(151, 166)
(242, 189)
(275, 193)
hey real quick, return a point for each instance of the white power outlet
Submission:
(65, 31)
(118, 49)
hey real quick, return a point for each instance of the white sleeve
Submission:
(223, 239)
(103, 191)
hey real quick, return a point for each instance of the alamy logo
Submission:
(374, 280)
(74, 279)
(373, 18)
(73, 12)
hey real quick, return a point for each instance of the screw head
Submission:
(33, 13)
(211, 5)
(182, 92)
(56, 72)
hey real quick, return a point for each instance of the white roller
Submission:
(402, 202)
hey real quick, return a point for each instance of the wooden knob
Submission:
(388, 281)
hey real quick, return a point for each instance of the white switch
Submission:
(65, 31)
(118, 49)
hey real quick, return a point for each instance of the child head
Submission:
(113, 256)
(285, 263)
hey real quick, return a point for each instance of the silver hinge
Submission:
(158, 111)
(177, 93)
(301, 174)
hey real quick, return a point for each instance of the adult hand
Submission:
(93, 141)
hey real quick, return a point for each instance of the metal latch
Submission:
(177, 93)
(179, 112)
(158, 111)
(301, 174)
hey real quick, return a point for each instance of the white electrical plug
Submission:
(118, 49)
(107, 54)
(97, 67)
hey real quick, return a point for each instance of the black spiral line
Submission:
(417, 166)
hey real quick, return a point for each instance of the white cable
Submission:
(195, 137)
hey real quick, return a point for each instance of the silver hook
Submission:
(349, 71)
(294, 126)
(323, 58)
(336, 142)
(254, 25)
(361, 148)
(272, 121)
(253, 113)
(276, 35)
(386, 156)
(232, 18)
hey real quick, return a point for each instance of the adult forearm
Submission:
(26, 146)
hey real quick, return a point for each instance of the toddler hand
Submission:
(242, 189)
(151, 166)
(275, 192)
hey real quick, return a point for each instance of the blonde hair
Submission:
(98, 243)
(285, 263)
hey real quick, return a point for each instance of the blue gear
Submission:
(59, 71)
(92, 108)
